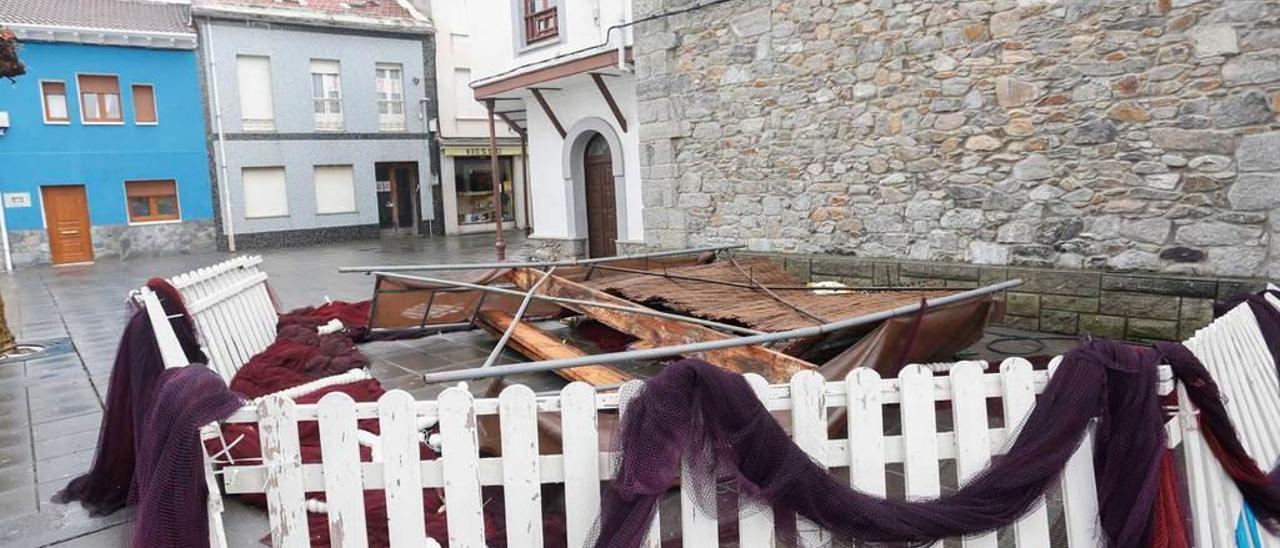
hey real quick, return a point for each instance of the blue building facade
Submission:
(108, 138)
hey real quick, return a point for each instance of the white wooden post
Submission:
(280, 452)
(755, 521)
(343, 486)
(1019, 398)
(521, 475)
(973, 446)
(460, 447)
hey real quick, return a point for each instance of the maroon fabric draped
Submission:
(105, 488)
(1260, 489)
(168, 482)
(712, 417)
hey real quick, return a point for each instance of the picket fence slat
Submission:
(755, 521)
(344, 495)
(973, 447)
(1019, 398)
(919, 433)
(397, 424)
(866, 425)
(459, 448)
(629, 391)
(285, 504)
(521, 488)
(1263, 390)
(1079, 489)
(581, 444)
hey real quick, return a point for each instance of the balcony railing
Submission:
(541, 25)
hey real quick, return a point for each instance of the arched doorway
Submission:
(602, 205)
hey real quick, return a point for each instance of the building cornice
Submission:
(547, 71)
(316, 19)
(104, 37)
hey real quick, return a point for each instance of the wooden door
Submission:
(602, 209)
(66, 213)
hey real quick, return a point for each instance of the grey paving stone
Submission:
(63, 427)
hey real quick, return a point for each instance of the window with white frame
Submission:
(464, 97)
(326, 94)
(265, 192)
(257, 109)
(335, 189)
(390, 88)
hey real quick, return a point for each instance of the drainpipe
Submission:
(228, 224)
(4, 235)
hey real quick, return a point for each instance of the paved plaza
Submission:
(50, 407)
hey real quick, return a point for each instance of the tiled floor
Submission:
(50, 408)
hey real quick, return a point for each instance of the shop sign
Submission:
(479, 151)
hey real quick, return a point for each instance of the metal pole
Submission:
(224, 194)
(515, 319)
(524, 169)
(579, 302)
(676, 350)
(499, 245)
(532, 264)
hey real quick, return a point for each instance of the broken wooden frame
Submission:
(535, 264)
(707, 346)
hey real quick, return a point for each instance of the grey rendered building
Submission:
(319, 114)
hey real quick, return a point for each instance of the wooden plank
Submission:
(285, 504)
(536, 344)
(521, 485)
(460, 453)
(626, 393)
(920, 434)
(755, 521)
(809, 430)
(580, 439)
(866, 431)
(397, 422)
(344, 494)
(1019, 399)
(774, 366)
(973, 447)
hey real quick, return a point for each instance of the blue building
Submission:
(104, 151)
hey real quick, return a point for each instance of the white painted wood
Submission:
(581, 443)
(755, 521)
(1079, 488)
(866, 431)
(171, 352)
(460, 448)
(280, 452)
(919, 433)
(809, 431)
(1019, 398)
(973, 447)
(626, 393)
(343, 489)
(397, 424)
(521, 479)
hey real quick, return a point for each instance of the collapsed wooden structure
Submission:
(226, 301)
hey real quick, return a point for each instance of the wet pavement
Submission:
(51, 406)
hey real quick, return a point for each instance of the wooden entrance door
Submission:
(397, 196)
(602, 208)
(66, 213)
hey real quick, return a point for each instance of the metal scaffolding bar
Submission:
(669, 351)
(532, 264)
(579, 302)
(515, 319)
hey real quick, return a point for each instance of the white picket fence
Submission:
(232, 307)
(1234, 352)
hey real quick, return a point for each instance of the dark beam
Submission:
(511, 124)
(774, 366)
(600, 61)
(546, 109)
(608, 98)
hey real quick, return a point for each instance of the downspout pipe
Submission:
(228, 224)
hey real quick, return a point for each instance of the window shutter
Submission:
(99, 84)
(324, 66)
(256, 104)
(265, 192)
(335, 189)
(144, 104)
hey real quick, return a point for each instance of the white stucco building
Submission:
(463, 126)
(561, 70)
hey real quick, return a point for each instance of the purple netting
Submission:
(694, 410)
(105, 488)
(168, 484)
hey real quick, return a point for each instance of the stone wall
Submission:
(1103, 135)
(31, 247)
(1057, 300)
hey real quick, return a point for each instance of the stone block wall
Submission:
(1098, 135)
(31, 247)
(1056, 300)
